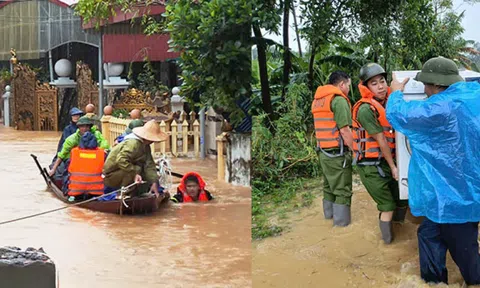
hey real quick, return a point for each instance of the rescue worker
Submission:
(132, 161)
(133, 124)
(70, 129)
(444, 185)
(191, 189)
(84, 124)
(331, 110)
(374, 147)
(85, 169)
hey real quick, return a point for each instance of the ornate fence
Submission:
(183, 136)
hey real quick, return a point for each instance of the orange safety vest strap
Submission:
(323, 119)
(85, 174)
(85, 182)
(83, 191)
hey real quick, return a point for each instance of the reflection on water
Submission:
(190, 245)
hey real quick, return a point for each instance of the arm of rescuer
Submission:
(68, 145)
(150, 171)
(343, 117)
(369, 121)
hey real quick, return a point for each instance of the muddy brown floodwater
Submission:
(189, 245)
(314, 254)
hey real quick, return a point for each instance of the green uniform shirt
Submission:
(368, 119)
(131, 157)
(73, 140)
(341, 112)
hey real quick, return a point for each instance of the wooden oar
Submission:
(42, 170)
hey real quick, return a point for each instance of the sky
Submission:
(471, 22)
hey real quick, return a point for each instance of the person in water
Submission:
(191, 189)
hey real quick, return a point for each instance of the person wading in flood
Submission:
(191, 189)
(132, 161)
(332, 118)
(443, 176)
(374, 147)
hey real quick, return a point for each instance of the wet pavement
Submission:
(188, 245)
(315, 254)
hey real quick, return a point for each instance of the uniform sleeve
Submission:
(125, 156)
(102, 143)
(368, 120)
(209, 196)
(60, 142)
(341, 112)
(68, 145)
(177, 198)
(409, 116)
(150, 170)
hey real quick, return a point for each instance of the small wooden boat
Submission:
(136, 205)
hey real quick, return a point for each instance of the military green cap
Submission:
(439, 71)
(134, 124)
(371, 70)
(84, 120)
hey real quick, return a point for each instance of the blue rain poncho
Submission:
(444, 135)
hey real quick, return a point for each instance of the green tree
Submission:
(216, 57)
(213, 38)
(323, 21)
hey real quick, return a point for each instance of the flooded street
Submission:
(314, 254)
(188, 245)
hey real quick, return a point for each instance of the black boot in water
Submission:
(386, 228)
(341, 215)
(327, 209)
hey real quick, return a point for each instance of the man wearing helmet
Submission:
(444, 186)
(374, 147)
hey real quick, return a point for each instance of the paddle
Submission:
(41, 169)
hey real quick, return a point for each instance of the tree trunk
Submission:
(296, 30)
(287, 61)
(310, 68)
(262, 63)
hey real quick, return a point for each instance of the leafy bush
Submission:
(290, 151)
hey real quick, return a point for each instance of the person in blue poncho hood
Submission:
(444, 181)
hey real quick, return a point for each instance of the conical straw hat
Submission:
(151, 132)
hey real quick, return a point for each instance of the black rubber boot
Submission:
(327, 209)
(399, 214)
(386, 228)
(341, 215)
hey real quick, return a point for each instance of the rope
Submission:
(65, 207)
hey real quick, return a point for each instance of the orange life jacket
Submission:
(365, 146)
(182, 188)
(326, 130)
(86, 172)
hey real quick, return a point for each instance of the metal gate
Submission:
(46, 108)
